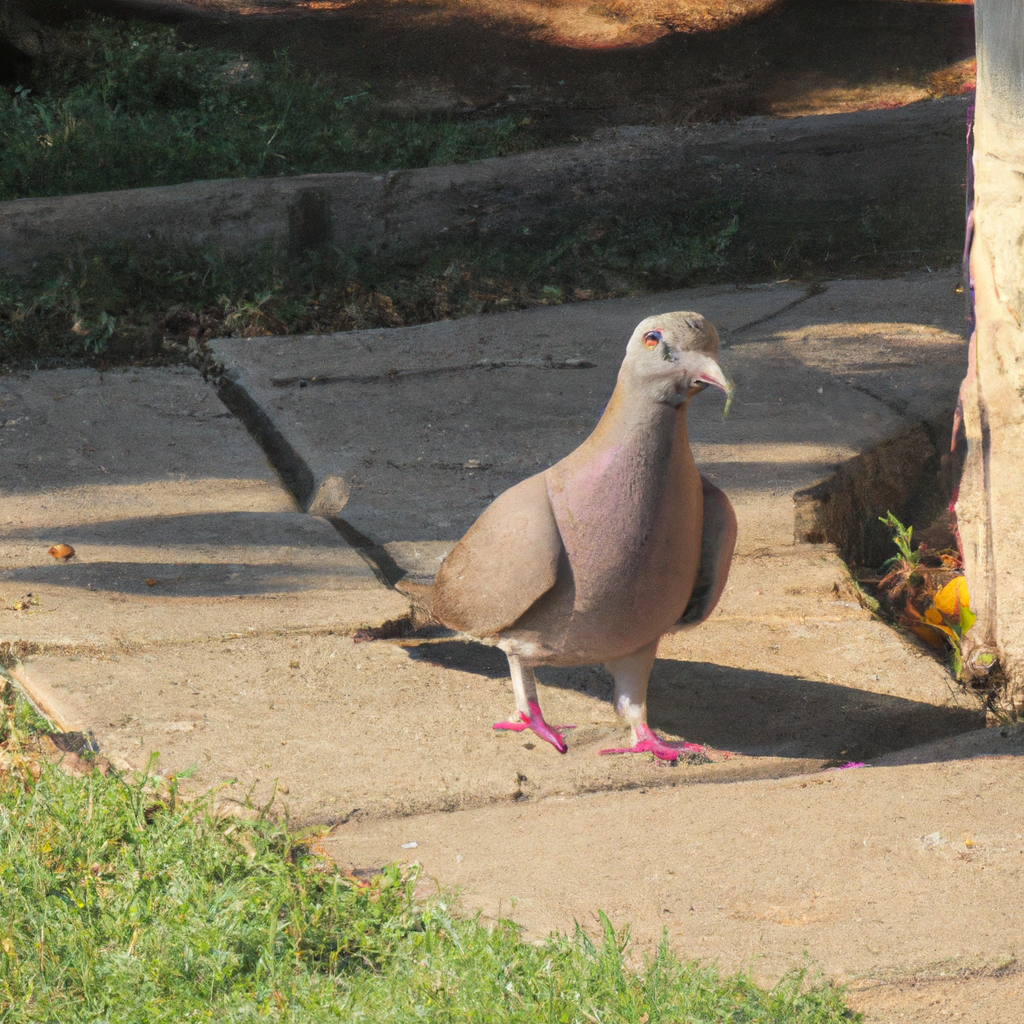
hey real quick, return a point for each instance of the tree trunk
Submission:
(990, 505)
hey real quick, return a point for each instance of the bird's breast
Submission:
(630, 515)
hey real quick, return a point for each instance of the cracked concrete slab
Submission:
(450, 414)
(875, 874)
(340, 731)
(205, 615)
(900, 342)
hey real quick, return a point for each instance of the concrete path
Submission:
(171, 509)
(207, 616)
(407, 434)
(185, 541)
(888, 877)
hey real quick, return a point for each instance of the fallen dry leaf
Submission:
(917, 623)
(62, 551)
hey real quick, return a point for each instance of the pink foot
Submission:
(535, 721)
(649, 743)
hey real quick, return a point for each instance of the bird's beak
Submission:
(713, 376)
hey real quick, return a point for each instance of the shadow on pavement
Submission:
(221, 554)
(748, 711)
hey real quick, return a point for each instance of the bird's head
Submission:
(675, 356)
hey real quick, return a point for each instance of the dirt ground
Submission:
(575, 67)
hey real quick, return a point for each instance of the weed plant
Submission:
(126, 106)
(120, 903)
(123, 303)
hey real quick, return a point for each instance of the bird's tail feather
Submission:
(422, 596)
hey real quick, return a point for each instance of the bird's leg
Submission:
(524, 686)
(631, 675)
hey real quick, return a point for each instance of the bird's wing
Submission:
(716, 546)
(507, 560)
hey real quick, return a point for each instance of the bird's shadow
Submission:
(746, 710)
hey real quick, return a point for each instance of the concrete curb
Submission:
(893, 178)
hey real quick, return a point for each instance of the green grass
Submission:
(119, 902)
(126, 106)
(123, 303)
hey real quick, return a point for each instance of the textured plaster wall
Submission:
(990, 509)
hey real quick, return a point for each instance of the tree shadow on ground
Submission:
(299, 558)
(761, 714)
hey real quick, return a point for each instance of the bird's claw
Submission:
(649, 743)
(535, 722)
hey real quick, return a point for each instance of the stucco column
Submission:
(990, 505)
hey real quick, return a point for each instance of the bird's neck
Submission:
(628, 495)
(629, 448)
(630, 416)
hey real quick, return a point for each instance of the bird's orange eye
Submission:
(651, 339)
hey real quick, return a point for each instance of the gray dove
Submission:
(595, 559)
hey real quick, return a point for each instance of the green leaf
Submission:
(96, 340)
(967, 618)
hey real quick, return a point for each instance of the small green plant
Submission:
(901, 574)
(902, 536)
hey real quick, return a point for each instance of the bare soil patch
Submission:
(575, 67)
